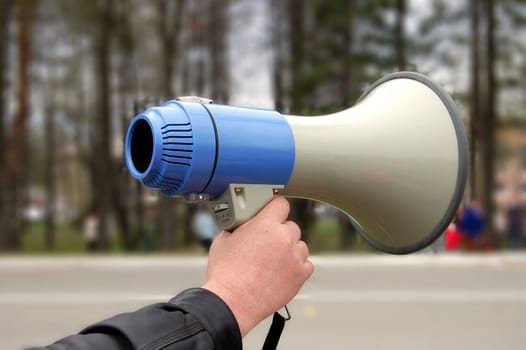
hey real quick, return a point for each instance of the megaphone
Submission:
(396, 162)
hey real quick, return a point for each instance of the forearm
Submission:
(195, 318)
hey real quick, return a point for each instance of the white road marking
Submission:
(101, 262)
(49, 298)
(420, 260)
(362, 296)
(414, 296)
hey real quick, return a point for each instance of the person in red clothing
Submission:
(453, 236)
(515, 214)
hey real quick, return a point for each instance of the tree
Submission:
(126, 90)
(489, 114)
(50, 178)
(17, 149)
(103, 134)
(335, 48)
(399, 34)
(6, 6)
(296, 13)
(277, 29)
(171, 14)
(300, 212)
(217, 38)
(474, 6)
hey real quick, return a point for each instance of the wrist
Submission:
(244, 313)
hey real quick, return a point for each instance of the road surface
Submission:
(352, 302)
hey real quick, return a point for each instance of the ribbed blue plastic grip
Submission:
(182, 148)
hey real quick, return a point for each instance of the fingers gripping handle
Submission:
(240, 202)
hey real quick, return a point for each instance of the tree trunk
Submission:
(50, 175)
(475, 96)
(127, 88)
(489, 117)
(170, 28)
(276, 27)
(139, 210)
(5, 5)
(346, 30)
(17, 154)
(400, 40)
(102, 128)
(217, 35)
(300, 208)
(295, 13)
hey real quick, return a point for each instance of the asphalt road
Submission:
(356, 302)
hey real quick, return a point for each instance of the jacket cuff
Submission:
(214, 314)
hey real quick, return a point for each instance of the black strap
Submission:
(274, 333)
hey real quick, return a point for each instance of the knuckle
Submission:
(293, 231)
(293, 227)
(304, 246)
(283, 203)
(309, 267)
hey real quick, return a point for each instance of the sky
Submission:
(250, 60)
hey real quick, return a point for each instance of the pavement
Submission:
(365, 302)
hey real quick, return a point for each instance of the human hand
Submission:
(260, 267)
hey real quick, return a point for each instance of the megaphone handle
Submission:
(240, 202)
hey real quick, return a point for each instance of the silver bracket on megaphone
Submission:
(240, 202)
(197, 99)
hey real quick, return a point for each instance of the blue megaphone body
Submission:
(189, 148)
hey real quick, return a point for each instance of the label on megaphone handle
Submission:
(240, 202)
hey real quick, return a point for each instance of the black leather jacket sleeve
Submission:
(195, 319)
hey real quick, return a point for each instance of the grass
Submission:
(68, 239)
(324, 236)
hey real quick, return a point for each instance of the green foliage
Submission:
(347, 45)
(515, 10)
(439, 12)
(325, 236)
(68, 239)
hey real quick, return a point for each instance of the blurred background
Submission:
(74, 73)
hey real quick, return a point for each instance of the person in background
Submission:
(472, 224)
(515, 222)
(453, 236)
(252, 272)
(204, 227)
(90, 229)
